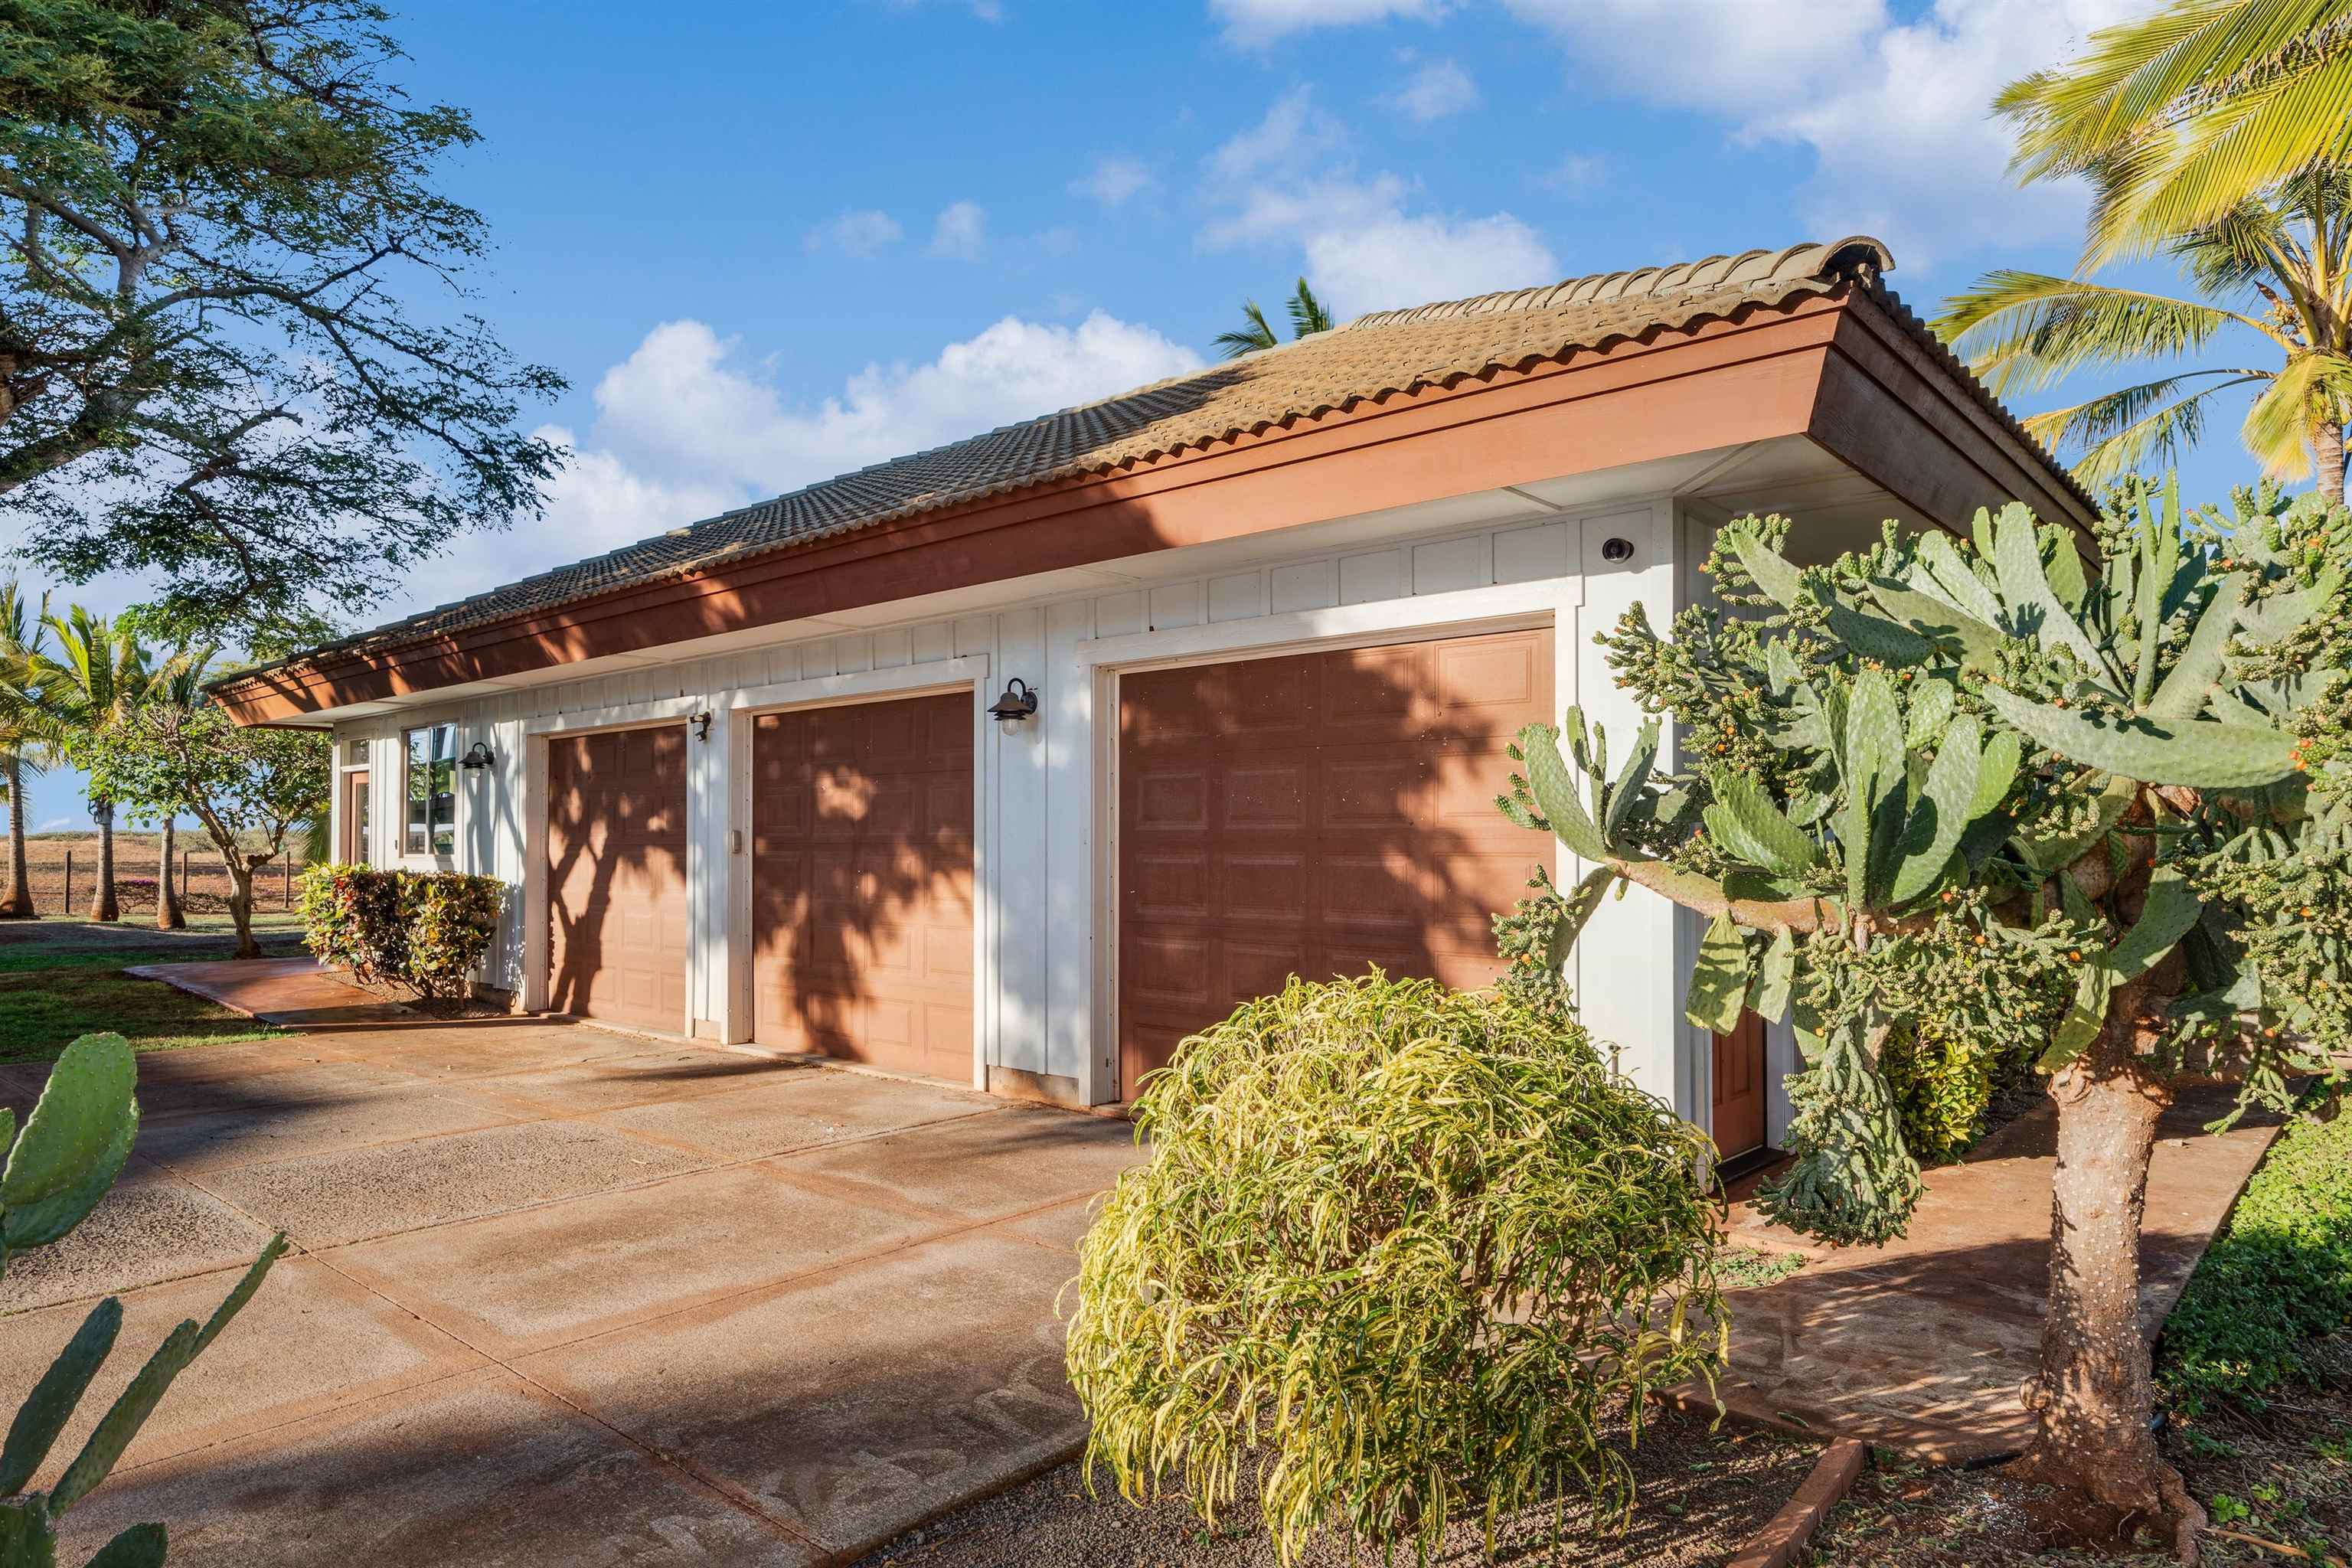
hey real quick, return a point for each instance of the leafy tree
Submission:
(24, 732)
(99, 673)
(218, 358)
(178, 681)
(1925, 776)
(1307, 315)
(249, 787)
(2182, 117)
(2269, 274)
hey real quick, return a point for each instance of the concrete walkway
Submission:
(296, 992)
(563, 1295)
(1923, 1345)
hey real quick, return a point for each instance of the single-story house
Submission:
(776, 778)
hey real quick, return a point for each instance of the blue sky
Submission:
(768, 242)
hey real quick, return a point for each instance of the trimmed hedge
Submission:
(425, 930)
(2276, 1280)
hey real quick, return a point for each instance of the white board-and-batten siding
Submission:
(1045, 829)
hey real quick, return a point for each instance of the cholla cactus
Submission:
(72, 1148)
(1990, 787)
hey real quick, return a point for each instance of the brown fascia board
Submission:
(1728, 382)
(1892, 410)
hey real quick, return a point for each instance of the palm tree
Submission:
(99, 673)
(24, 748)
(2274, 274)
(1307, 315)
(2182, 117)
(179, 680)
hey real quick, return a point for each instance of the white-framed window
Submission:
(428, 792)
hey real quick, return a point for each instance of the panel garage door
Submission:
(1313, 814)
(861, 883)
(617, 923)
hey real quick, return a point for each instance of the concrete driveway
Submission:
(565, 1296)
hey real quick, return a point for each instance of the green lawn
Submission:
(60, 979)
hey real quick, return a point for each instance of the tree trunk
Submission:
(18, 904)
(2094, 1396)
(2328, 457)
(169, 916)
(240, 906)
(102, 904)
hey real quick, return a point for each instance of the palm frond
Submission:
(1245, 340)
(1307, 313)
(2135, 429)
(2279, 426)
(2212, 159)
(2152, 72)
(2025, 330)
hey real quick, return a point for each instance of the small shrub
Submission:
(425, 930)
(2276, 1280)
(1401, 1248)
(1943, 1085)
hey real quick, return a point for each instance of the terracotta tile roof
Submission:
(1375, 355)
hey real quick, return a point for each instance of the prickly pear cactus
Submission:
(71, 1149)
(2031, 799)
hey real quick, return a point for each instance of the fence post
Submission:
(68, 910)
(289, 864)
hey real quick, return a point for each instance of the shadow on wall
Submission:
(1317, 814)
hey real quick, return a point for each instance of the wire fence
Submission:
(67, 884)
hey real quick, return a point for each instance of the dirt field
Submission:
(198, 871)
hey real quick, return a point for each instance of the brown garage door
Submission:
(1313, 814)
(861, 883)
(617, 902)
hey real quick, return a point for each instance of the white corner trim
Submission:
(1463, 612)
(627, 715)
(896, 680)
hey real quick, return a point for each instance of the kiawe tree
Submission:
(232, 350)
(2113, 793)
(250, 788)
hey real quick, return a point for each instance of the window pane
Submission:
(429, 788)
(444, 803)
(416, 837)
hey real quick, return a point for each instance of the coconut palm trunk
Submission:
(102, 903)
(18, 904)
(2327, 456)
(169, 916)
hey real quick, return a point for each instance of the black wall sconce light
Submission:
(1616, 549)
(479, 757)
(1017, 703)
(701, 723)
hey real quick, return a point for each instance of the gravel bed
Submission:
(1701, 1494)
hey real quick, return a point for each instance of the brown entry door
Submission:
(1314, 814)
(1738, 1124)
(353, 850)
(617, 906)
(861, 883)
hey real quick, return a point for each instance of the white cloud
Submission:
(1253, 22)
(685, 428)
(1112, 181)
(1437, 89)
(1896, 113)
(1365, 249)
(859, 233)
(1294, 133)
(1575, 173)
(962, 228)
